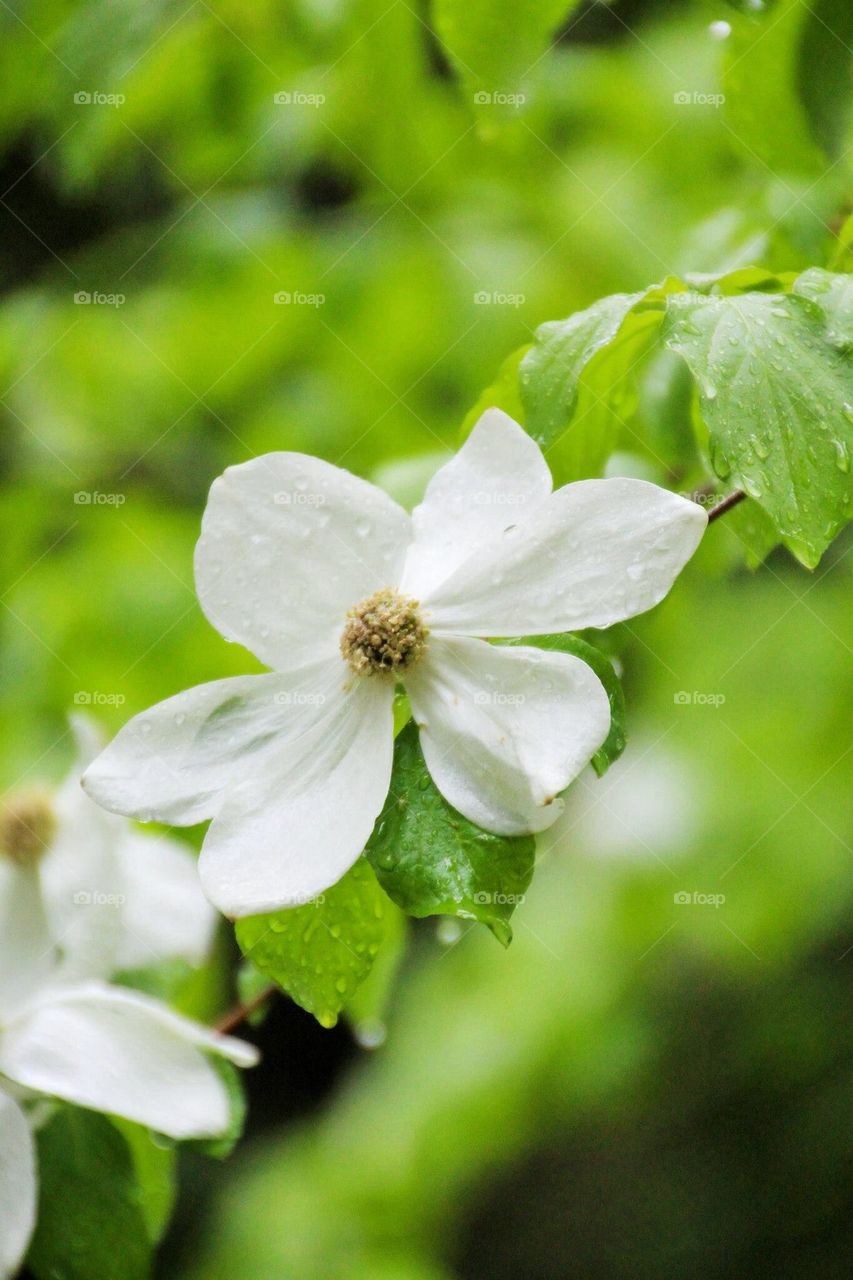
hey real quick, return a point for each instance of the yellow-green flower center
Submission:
(27, 825)
(384, 634)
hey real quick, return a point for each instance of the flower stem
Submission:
(731, 500)
(240, 1012)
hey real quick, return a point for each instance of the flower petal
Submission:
(596, 552)
(505, 729)
(288, 834)
(81, 880)
(121, 1052)
(17, 1186)
(498, 477)
(176, 761)
(164, 912)
(27, 951)
(288, 544)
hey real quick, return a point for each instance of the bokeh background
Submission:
(641, 1086)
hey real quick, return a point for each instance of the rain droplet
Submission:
(370, 1034)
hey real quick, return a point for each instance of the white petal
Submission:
(82, 882)
(27, 952)
(288, 544)
(17, 1186)
(176, 761)
(505, 729)
(293, 831)
(497, 478)
(164, 911)
(596, 552)
(118, 1051)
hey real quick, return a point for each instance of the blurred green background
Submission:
(641, 1086)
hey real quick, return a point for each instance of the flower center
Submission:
(384, 633)
(27, 825)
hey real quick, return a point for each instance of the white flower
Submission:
(64, 1032)
(117, 898)
(341, 592)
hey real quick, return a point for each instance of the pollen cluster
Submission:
(27, 825)
(384, 633)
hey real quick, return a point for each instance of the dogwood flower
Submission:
(333, 585)
(78, 1038)
(116, 898)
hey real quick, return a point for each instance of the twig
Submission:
(731, 500)
(241, 1012)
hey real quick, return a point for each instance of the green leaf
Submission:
(91, 1221)
(503, 393)
(578, 384)
(154, 1166)
(320, 952)
(833, 294)
(432, 861)
(842, 256)
(251, 984)
(765, 112)
(754, 532)
(365, 1012)
(614, 744)
(777, 401)
(224, 1143)
(493, 51)
(825, 71)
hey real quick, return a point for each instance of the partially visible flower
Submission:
(117, 898)
(83, 895)
(77, 1038)
(334, 586)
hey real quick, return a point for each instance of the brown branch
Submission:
(241, 1012)
(727, 503)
